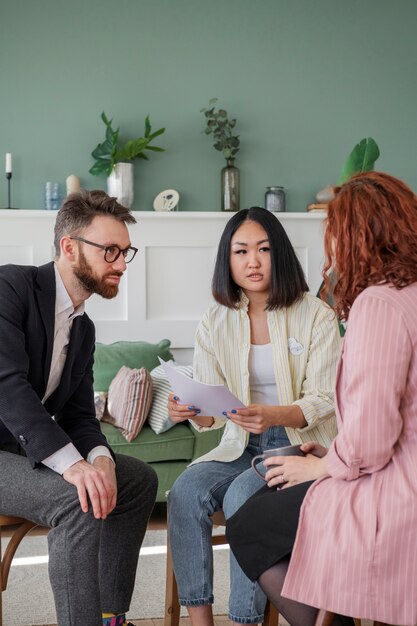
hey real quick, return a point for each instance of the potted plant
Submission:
(361, 159)
(116, 161)
(221, 127)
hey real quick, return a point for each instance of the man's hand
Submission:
(96, 483)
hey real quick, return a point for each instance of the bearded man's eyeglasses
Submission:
(111, 253)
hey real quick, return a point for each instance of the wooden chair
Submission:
(325, 618)
(172, 606)
(21, 527)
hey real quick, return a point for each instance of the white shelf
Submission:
(170, 215)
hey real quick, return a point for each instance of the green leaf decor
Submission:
(361, 159)
(108, 153)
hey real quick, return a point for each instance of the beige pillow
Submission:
(129, 401)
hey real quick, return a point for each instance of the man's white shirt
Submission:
(65, 313)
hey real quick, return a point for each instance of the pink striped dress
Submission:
(356, 546)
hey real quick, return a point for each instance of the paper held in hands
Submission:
(210, 399)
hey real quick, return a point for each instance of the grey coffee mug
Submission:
(284, 451)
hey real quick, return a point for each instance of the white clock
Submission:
(166, 200)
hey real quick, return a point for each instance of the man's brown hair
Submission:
(80, 208)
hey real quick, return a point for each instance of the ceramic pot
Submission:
(120, 184)
(325, 195)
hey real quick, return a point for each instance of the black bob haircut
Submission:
(288, 283)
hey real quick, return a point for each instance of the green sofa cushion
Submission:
(169, 453)
(167, 474)
(176, 444)
(108, 359)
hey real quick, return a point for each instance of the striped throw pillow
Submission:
(158, 418)
(129, 400)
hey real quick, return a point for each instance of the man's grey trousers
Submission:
(92, 563)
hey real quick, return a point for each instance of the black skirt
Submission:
(263, 530)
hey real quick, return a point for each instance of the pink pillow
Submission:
(129, 401)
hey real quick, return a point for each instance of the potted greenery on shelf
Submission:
(361, 159)
(221, 127)
(116, 161)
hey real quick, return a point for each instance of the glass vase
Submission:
(230, 186)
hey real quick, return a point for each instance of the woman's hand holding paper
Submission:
(181, 412)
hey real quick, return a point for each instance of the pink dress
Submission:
(356, 546)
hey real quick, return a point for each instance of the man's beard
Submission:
(84, 273)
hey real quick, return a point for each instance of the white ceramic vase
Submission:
(120, 184)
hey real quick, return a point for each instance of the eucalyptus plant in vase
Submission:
(116, 161)
(221, 127)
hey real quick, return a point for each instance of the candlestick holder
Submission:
(9, 178)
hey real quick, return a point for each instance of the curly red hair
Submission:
(370, 238)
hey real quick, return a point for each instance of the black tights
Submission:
(296, 614)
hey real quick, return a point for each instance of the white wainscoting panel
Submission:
(166, 289)
(20, 255)
(172, 292)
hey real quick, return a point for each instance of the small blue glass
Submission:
(51, 196)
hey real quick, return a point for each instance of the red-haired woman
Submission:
(355, 550)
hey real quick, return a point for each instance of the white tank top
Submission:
(263, 388)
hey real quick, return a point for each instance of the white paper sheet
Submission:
(210, 399)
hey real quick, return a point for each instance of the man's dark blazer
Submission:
(27, 320)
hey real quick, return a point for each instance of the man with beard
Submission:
(56, 467)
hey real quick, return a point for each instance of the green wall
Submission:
(306, 80)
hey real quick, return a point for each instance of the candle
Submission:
(8, 163)
(73, 184)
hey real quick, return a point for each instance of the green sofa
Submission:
(168, 453)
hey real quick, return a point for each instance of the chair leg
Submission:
(1, 586)
(172, 606)
(6, 559)
(12, 546)
(324, 618)
(1, 590)
(271, 615)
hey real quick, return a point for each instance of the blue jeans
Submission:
(201, 490)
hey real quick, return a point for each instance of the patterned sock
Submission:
(110, 619)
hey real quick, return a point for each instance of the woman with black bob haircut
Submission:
(274, 347)
(287, 282)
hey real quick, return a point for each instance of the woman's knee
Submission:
(191, 494)
(235, 497)
(184, 492)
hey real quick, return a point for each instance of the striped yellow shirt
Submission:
(305, 343)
